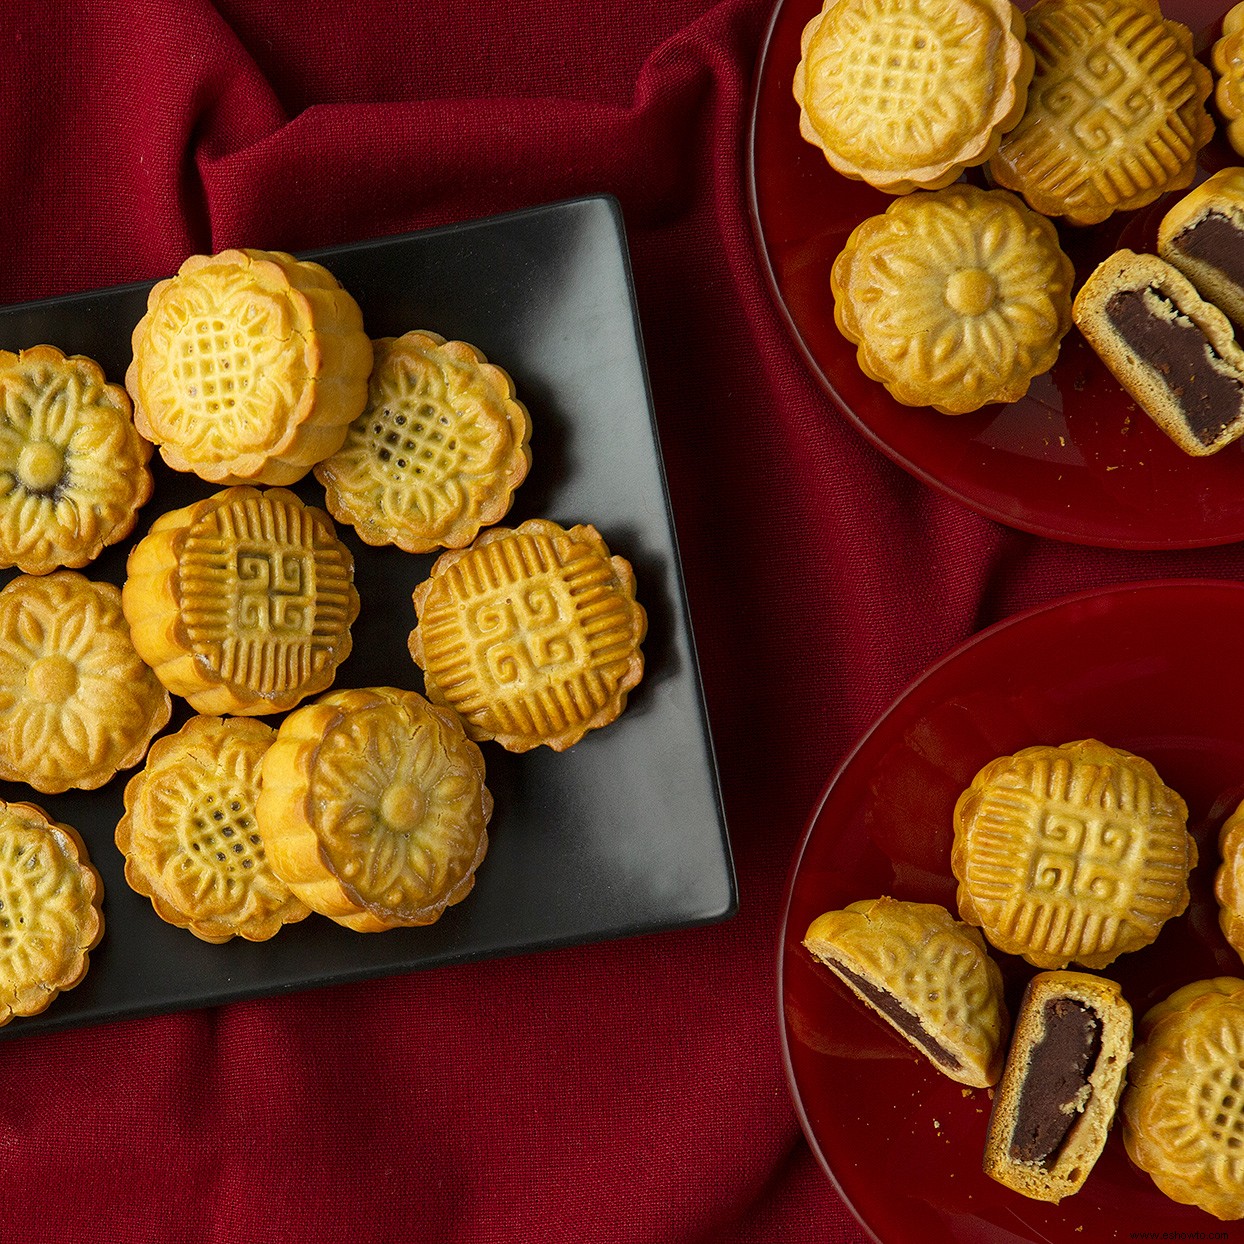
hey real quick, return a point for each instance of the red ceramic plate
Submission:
(1075, 459)
(1151, 668)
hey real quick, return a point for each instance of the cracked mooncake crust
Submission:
(1061, 1086)
(50, 917)
(1175, 353)
(248, 367)
(374, 809)
(1116, 110)
(77, 703)
(437, 452)
(908, 93)
(1183, 1112)
(927, 975)
(1227, 58)
(532, 634)
(954, 298)
(73, 469)
(1071, 854)
(243, 602)
(190, 838)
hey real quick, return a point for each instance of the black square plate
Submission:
(622, 834)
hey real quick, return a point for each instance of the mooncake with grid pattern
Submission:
(50, 909)
(1071, 854)
(908, 93)
(927, 975)
(73, 469)
(1183, 1112)
(242, 602)
(248, 366)
(373, 808)
(1116, 110)
(532, 634)
(190, 838)
(77, 703)
(437, 452)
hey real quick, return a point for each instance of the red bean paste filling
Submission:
(902, 1018)
(1059, 1066)
(1177, 349)
(1217, 241)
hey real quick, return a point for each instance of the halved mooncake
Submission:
(373, 808)
(928, 975)
(1203, 236)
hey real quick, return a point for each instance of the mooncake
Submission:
(1071, 854)
(1183, 1112)
(248, 367)
(373, 808)
(1171, 350)
(532, 634)
(955, 298)
(1203, 236)
(242, 602)
(927, 975)
(73, 469)
(50, 916)
(437, 452)
(908, 93)
(76, 701)
(1227, 58)
(1061, 1086)
(190, 838)
(1115, 114)
(1229, 879)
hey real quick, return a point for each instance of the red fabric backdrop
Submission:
(623, 1092)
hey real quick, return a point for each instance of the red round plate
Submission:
(1151, 668)
(1075, 459)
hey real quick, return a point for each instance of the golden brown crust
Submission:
(190, 838)
(248, 366)
(374, 809)
(1071, 854)
(437, 452)
(915, 958)
(1227, 57)
(532, 634)
(243, 602)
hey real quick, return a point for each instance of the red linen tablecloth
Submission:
(625, 1092)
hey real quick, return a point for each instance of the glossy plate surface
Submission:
(1149, 668)
(622, 834)
(1075, 459)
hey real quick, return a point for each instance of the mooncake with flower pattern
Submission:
(1183, 1111)
(248, 366)
(73, 469)
(50, 917)
(437, 452)
(927, 975)
(373, 808)
(955, 298)
(77, 703)
(190, 838)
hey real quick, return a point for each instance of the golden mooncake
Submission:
(927, 975)
(908, 93)
(374, 809)
(1116, 110)
(50, 916)
(1229, 879)
(955, 298)
(242, 603)
(531, 634)
(77, 703)
(1228, 61)
(248, 367)
(1183, 1112)
(190, 838)
(73, 469)
(1071, 854)
(1064, 1074)
(1203, 236)
(437, 452)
